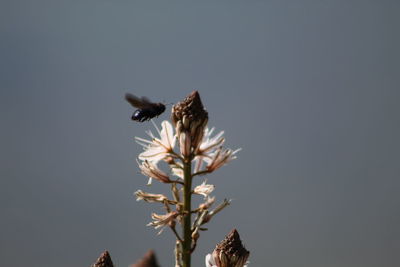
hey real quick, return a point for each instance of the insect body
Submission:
(146, 110)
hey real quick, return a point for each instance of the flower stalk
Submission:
(187, 199)
(197, 148)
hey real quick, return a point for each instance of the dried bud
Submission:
(207, 204)
(219, 158)
(195, 236)
(104, 260)
(152, 171)
(204, 189)
(190, 117)
(217, 209)
(148, 260)
(162, 220)
(152, 198)
(229, 252)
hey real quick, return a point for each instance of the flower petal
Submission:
(167, 134)
(204, 189)
(210, 261)
(157, 149)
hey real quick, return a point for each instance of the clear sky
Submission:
(308, 89)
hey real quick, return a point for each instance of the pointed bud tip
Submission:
(104, 260)
(195, 96)
(191, 108)
(190, 116)
(148, 260)
(234, 235)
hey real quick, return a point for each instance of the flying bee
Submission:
(146, 110)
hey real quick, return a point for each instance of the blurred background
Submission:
(308, 89)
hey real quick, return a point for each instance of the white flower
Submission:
(148, 197)
(152, 171)
(204, 189)
(162, 220)
(153, 198)
(219, 158)
(208, 143)
(211, 152)
(158, 148)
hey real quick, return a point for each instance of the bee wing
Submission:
(137, 102)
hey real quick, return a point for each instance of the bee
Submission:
(146, 110)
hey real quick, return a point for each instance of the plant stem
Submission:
(187, 234)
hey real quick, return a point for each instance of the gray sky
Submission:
(308, 89)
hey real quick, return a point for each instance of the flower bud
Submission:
(104, 260)
(152, 171)
(195, 235)
(153, 198)
(229, 252)
(148, 260)
(207, 204)
(162, 220)
(190, 117)
(185, 144)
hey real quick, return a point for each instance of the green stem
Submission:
(187, 234)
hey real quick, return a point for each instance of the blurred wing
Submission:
(137, 102)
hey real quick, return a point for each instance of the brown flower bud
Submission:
(195, 235)
(207, 204)
(230, 251)
(190, 117)
(104, 260)
(148, 260)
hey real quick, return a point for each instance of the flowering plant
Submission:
(189, 149)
